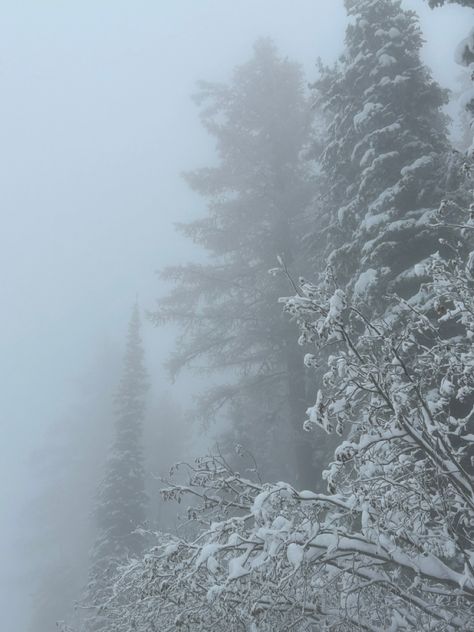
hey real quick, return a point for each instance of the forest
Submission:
(315, 469)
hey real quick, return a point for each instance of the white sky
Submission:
(96, 124)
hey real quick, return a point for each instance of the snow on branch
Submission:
(390, 546)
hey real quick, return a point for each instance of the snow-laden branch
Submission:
(390, 546)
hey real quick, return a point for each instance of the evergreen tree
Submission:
(386, 156)
(121, 501)
(227, 308)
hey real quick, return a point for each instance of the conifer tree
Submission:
(121, 500)
(227, 308)
(386, 156)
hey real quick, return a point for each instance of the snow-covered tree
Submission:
(121, 503)
(256, 196)
(390, 546)
(385, 159)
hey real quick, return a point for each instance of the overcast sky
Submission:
(96, 124)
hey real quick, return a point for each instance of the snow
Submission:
(371, 221)
(337, 304)
(295, 554)
(170, 550)
(339, 405)
(306, 494)
(213, 593)
(419, 269)
(212, 564)
(368, 111)
(281, 524)
(419, 163)
(365, 281)
(446, 388)
(344, 211)
(369, 154)
(236, 568)
(206, 551)
(386, 60)
(257, 506)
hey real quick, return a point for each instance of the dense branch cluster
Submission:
(390, 545)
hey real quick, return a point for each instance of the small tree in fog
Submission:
(256, 197)
(121, 500)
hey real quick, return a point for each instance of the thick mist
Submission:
(97, 125)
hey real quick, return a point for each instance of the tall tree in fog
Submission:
(386, 155)
(227, 307)
(121, 504)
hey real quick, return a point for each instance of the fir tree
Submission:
(227, 308)
(386, 157)
(121, 500)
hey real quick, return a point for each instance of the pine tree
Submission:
(386, 156)
(227, 308)
(121, 500)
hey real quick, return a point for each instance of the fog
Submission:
(97, 124)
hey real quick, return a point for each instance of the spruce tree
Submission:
(227, 308)
(121, 504)
(386, 156)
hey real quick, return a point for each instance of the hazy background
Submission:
(96, 125)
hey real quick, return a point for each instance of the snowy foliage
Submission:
(385, 157)
(389, 547)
